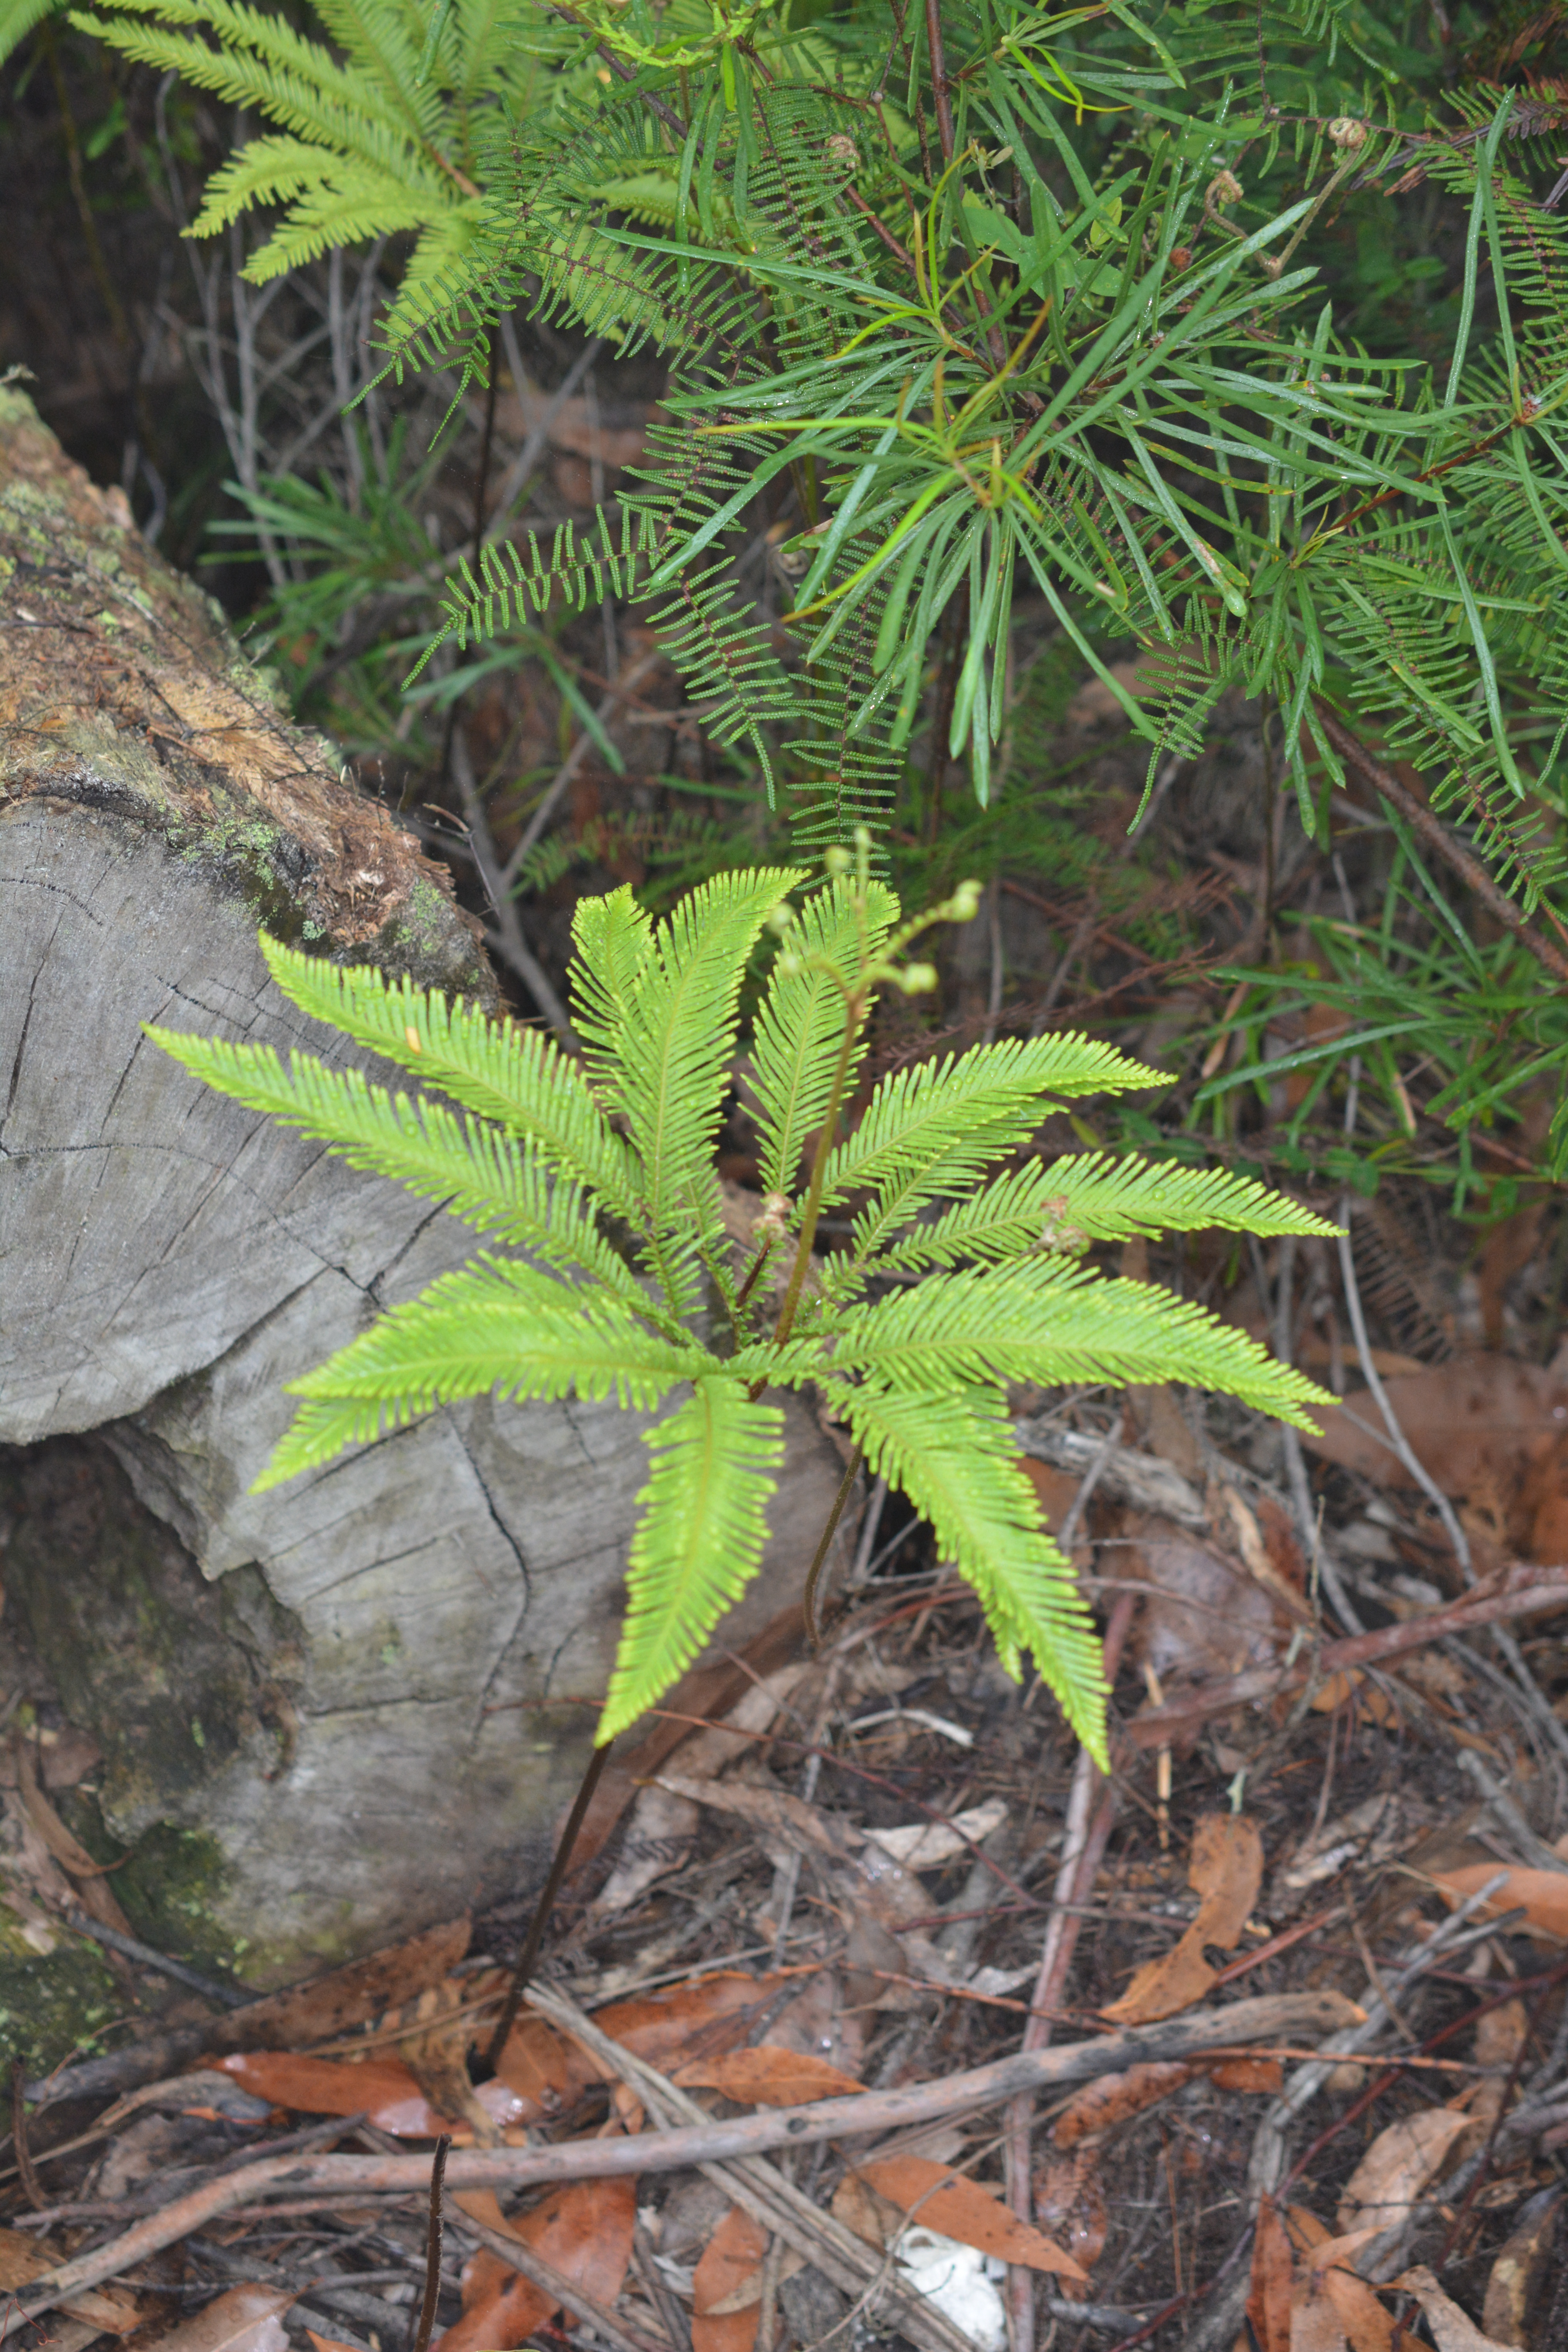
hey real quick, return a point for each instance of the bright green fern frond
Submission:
(1053, 1322)
(700, 1540)
(800, 1025)
(500, 1324)
(935, 1127)
(17, 18)
(498, 1069)
(613, 940)
(950, 1449)
(676, 1042)
(478, 1172)
(1066, 1203)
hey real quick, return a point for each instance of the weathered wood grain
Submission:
(451, 1595)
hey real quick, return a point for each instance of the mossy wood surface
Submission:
(412, 1631)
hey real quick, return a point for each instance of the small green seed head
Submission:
(837, 861)
(917, 979)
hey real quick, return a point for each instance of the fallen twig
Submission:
(329, 2179)
(1088, 1826)
(1537, 1592)
(425, 2327)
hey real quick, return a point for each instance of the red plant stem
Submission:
(1083, 1847)
(1436, 834)
(1157, 1726)
(939, 83)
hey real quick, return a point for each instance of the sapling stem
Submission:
(814, 1573)
(532, 1942)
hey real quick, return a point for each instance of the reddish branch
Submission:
(334, 2179)
(1421, 820)
(1531, 1591)
(939, 82)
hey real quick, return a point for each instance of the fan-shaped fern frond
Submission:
(500, 1325)
(935, 1127)
(950, 1449)
(1054, 1323)
(518, 1077)
(700, 1540)
(799, 1030)
(1065, 1204)
(478, 1172)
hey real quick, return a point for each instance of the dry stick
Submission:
(546, 1904)
(814, 1573)
(1421, 820)
(1270, 2149)
(1155, 1726)
(1540, 1712)
(1312, 1544)
(1082, 1846)
(507, 936)
(771, 2199)
(619, 692)
(427, 2321)
(31, 2189)
(788, 1882)
(333, 2180)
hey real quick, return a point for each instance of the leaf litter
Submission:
(750, 1938)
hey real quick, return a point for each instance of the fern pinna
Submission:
(611, 1274)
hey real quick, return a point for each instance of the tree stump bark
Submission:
(375, 1716)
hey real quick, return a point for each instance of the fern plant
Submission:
(611, 1275)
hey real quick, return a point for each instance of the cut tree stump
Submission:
(368, 1693)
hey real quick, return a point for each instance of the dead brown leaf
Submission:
(957, 2207)
(1069, 2202)
(24, 2258)
(86, 1875)
(1522, 2273)
(346, 1997)
(382, 2088)
(1114, 2097)
(583, 2230)
(1500, 2035)
(1273, 2282)
(1402, 2159)
(769, 2077)
(820, 2024)
(244, 2319)
(773, 1813)
(1478, 1421)
(329, 2343)
(734, 2253)
(876, 2221)
(1331, 2275)
(1261, 2077)
(1452, 2329)
(543, 2069)
(1206, 1618)
(1542, 1894)
(1225, 1871)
